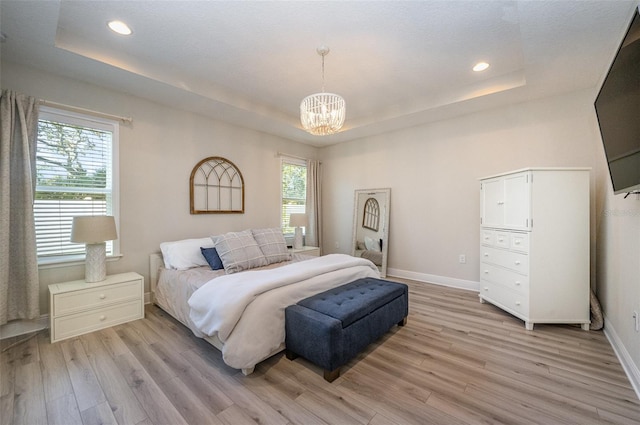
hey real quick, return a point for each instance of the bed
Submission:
(239, 309)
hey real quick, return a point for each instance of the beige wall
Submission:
(157, 153)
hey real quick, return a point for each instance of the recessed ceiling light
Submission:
(119, 27)
(480, 66)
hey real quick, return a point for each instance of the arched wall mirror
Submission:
(371, 226)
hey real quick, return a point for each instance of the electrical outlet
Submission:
(462, 259)
(636, 317)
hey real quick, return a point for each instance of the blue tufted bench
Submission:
(332, 327)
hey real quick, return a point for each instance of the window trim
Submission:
(293, 161)
(113, 126)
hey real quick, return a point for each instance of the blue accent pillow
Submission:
(212, 257)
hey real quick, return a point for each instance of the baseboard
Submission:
(630, 368)
(469, 285)
(21, 327)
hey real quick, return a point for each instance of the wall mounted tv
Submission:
(618, 110)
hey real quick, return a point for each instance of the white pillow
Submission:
(239, 251)
(272, 244)
(184, 254)
(371, 244)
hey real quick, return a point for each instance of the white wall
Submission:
(157, 153)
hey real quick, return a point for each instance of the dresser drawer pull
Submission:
(103, 296)
(486, 254)
(517, 242)
(500, 202)
(500, 239)
(486, 272)
(102, 318)
(486, 238)
(486, 288)
(518, 262)
(517, 302)
(517, 283)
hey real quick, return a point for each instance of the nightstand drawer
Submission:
(90, 299)
(81, 323)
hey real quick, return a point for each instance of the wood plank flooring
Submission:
(455, 362)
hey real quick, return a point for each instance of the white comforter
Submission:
(246, 310)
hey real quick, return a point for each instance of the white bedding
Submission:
(245, 311)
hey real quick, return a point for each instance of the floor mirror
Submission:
(371, 226)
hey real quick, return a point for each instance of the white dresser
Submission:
(79, 307)
(534, 244)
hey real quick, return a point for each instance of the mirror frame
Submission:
(384, 218)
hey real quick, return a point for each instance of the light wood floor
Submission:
(456, 362)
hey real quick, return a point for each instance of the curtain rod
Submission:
(128, 120)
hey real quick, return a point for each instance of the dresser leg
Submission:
(528, 326)
(585, 326)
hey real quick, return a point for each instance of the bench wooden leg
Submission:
(402, 322)
(290, 354)
(331, 376)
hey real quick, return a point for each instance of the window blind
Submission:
(74, 167)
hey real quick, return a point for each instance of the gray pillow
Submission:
(272, 244)
(238, 251)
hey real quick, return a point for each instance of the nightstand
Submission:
(313, 251)
(78, 307)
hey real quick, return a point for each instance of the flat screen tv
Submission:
(618, 110)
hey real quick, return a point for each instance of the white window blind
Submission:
(75, 177)
(294, 190)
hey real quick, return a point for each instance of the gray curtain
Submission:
(19, 285)
(313, 233)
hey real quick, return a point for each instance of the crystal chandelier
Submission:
(322, 113)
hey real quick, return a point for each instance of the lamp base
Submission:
(95, 269)
(297, 238)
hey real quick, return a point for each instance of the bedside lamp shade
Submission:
(298, 221)
(94, 231)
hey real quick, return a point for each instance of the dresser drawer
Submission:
(515, 261)
(88, 321)
(519, 242)
(512, 280)
(90, 299)
(494, 238)
(510, 301)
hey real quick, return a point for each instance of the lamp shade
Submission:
(298, 220)
(93, 229)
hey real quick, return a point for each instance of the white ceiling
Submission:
(250, 63)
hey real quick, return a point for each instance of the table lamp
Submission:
(297, 221)
(94, 231)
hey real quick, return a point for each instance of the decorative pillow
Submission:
(238, 251)
(184, 254)
(212, 257)
(371, 244)
(272, 244)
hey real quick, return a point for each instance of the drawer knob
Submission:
(500, 202)
(486, 254)
(517, 283)
(517, 302)
(517, 262)
(102, 317)
(486, 272)
(517, 242)
(486, 238)
(500, 239)
(103, 296)
(486, 288)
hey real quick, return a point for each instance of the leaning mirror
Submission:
(371, 226)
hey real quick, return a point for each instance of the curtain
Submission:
(19, 285)
(313, 234)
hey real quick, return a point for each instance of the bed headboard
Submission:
(155, 263)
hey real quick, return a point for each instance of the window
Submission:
(294, 190)
(76, 167)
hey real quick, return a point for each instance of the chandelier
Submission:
(322, 113)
